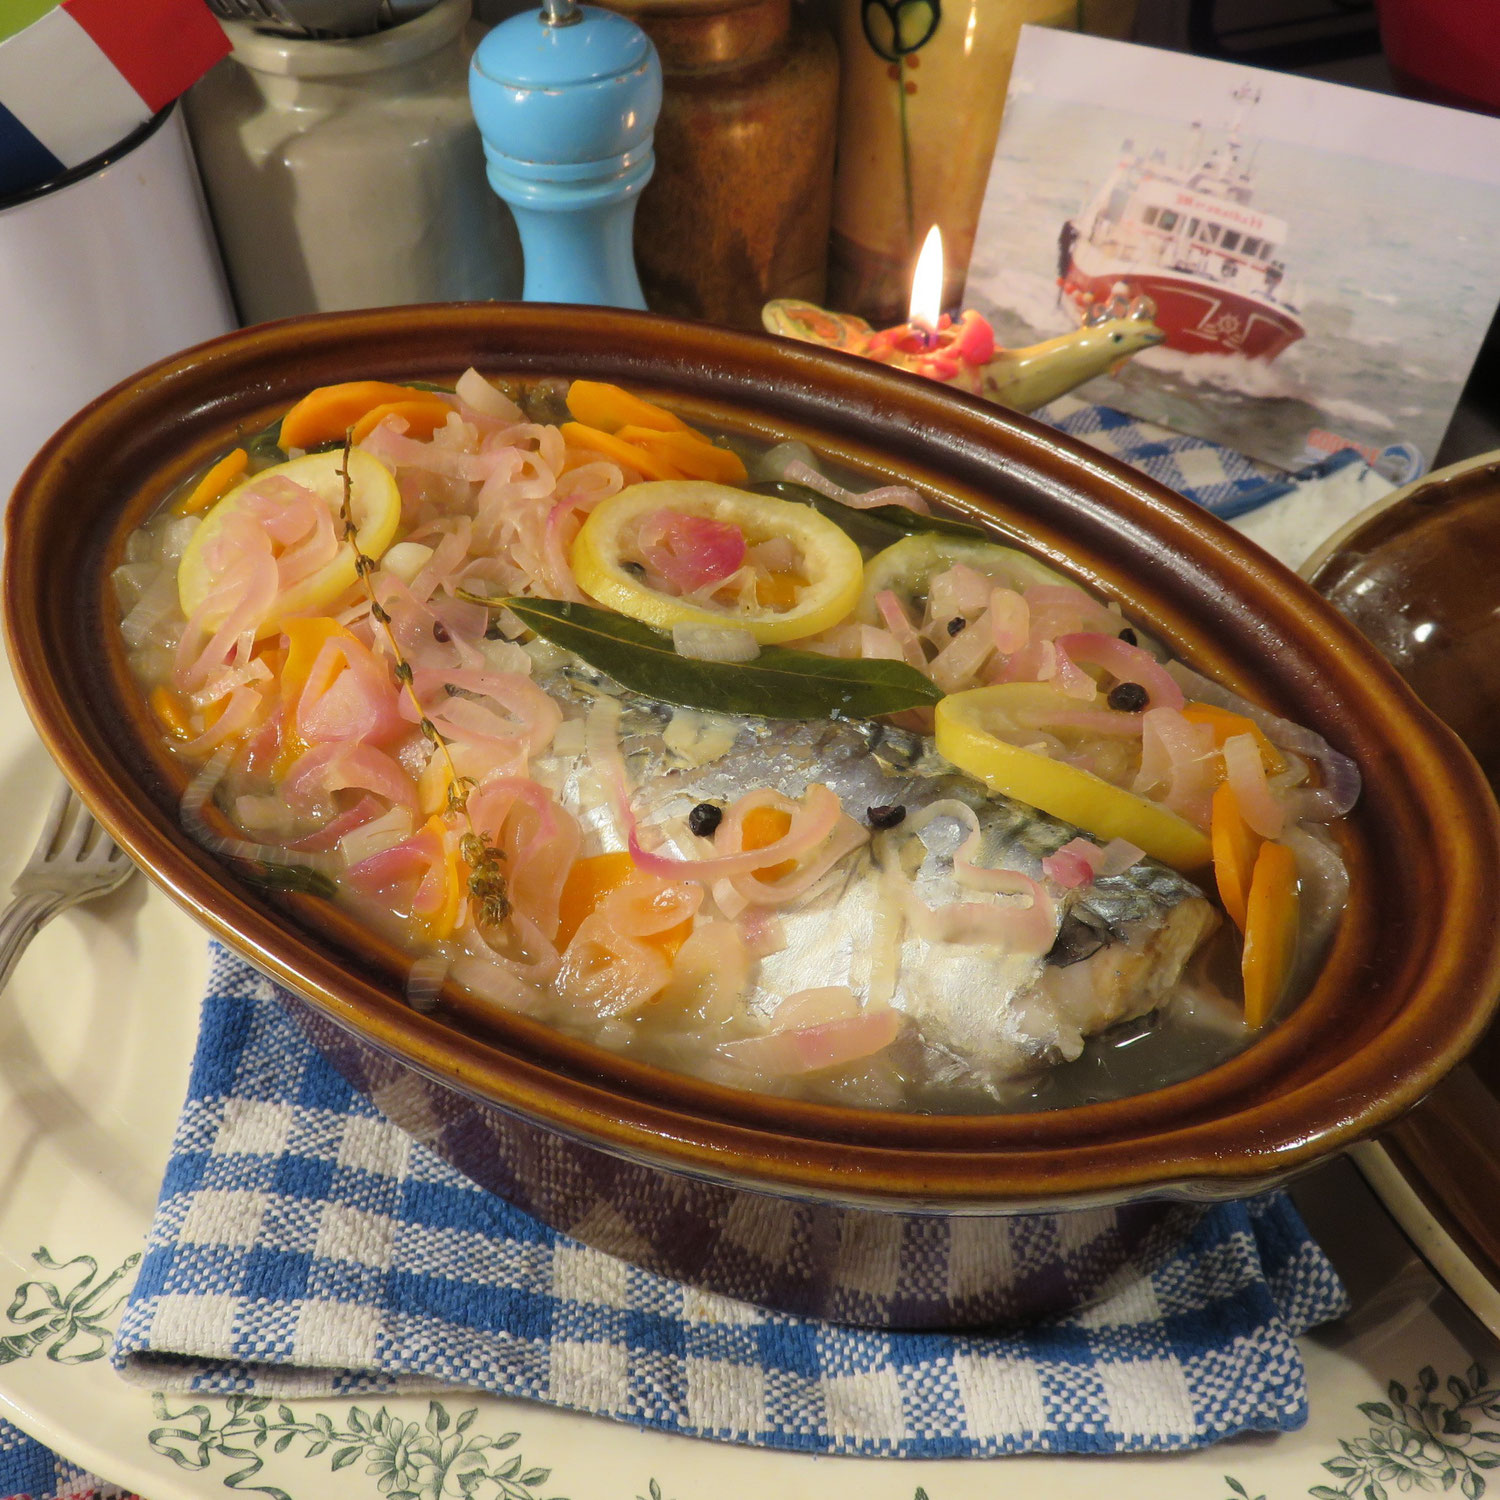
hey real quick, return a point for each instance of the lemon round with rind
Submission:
(374, 505)
(1067, 792)
(830, 561)
(907, 568)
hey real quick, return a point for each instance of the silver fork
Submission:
(74, 860)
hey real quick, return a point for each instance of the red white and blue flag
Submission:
(86, 73)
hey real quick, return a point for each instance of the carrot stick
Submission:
(1270, 931)
(694, 456)
(647, 465)
(1235, 845)
(423, 416)
(324, 415)
(596, 403)
(213, 484)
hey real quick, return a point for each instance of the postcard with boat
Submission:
(1320, 259)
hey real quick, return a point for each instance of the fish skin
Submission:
(989, 1020)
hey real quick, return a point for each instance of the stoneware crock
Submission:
(809, 1207)
(1419, 574)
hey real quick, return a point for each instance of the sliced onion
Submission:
(1341, 778)
(196, 797)
(153, 604)
(701, 642)
(1180, 756)
(1031, 928)
(376, 835)
(424, 982)
(495, 980)
(1117, 856)
(772, 464)
(891, 494)
(474, 390)
(1325, 886)
(1246, 773)
(1010, 620)
(1074, 865)
(807, 1050)
(815, 1007)
(901, 627)
(1124, 662)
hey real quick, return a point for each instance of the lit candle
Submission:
(930, 342)
(963, 353)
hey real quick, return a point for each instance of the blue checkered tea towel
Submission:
(29, 1470)
(304, 1245)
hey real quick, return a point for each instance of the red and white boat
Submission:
(1190, 238)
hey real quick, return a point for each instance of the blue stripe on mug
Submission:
(24, 160)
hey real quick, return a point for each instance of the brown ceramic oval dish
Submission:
(713, 1184)
(1419, 573)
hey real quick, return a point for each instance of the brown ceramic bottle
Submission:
(738, 209)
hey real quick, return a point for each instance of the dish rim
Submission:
(1229, 1130)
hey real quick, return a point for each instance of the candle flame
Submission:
(927, 282)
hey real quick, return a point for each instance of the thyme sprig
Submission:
(486, 884)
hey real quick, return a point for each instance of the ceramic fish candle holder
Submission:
(964, 353)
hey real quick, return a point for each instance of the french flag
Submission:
(86, 73)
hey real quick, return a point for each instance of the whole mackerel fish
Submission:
(989, 1018)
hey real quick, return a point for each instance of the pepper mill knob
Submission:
(566, 100)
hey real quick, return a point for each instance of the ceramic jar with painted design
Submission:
(922, 90)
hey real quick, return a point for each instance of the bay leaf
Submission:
(779, 684)
(878, 526)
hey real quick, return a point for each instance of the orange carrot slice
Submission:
(1235, 845)
(172, 712)
(423, 415)
(691, 454)
(441, 923)
(762, 826)
(647, 465)
(1226, 724)
(589, 881)
(324, 415)
(1270, 931)
(305, 641)
(778, 590)
(596, 403)
(213, 485)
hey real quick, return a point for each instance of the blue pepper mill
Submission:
(566, 100)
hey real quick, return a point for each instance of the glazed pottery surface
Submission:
(783, 1201)
(1419, 573)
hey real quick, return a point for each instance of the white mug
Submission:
(102, 271)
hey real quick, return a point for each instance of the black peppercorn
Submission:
(705, 819)
(440, 632)
(887, 816)
(1129, 637)
(1128, 697)
(956, 624)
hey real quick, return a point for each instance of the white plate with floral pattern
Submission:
(96, 1035)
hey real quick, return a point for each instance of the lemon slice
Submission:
(830, 562)
(964, 729)
(908, 567)
(374, 504)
